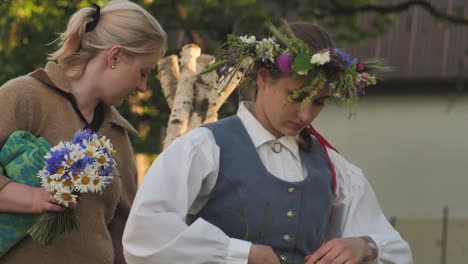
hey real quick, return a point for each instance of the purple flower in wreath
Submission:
(222, 69)
(284, 62)
(361, 67)
(359, 91)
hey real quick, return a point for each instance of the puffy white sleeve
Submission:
(177, 183)
(356, 213)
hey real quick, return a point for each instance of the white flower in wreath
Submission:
(302, 72)
(320, 58)
(248, 40)
(358, 78)
(269, 40)
(266, 51)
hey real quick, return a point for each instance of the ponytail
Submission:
(120, 22)
(70, 40)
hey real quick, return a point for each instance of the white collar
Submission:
(259, 134)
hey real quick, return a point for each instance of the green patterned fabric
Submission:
(21, 158)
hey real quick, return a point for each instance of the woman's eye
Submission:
(299, 98)
(320, 102)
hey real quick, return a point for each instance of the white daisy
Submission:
(76, 153)
(85, 179)
(97, 185)
(65, 198)
(46, 181)
(83, 184)
(91, 150)
(103, 159)
(60, 145)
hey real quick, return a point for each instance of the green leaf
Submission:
(301, 62)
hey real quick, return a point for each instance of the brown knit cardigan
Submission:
(33, 103)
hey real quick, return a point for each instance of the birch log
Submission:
(168, 74)
(203, 85)
(181, 111)
(219, 94)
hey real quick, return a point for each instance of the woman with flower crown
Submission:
(104, 56)
(263, 186)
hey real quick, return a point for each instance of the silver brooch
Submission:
(276, 147)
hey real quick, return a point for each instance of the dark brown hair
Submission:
(317, 39)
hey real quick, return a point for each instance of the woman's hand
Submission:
(352, 250)
(262, 254)
(20, 198)
(44, 201)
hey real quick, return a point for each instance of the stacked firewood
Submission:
(194, 99)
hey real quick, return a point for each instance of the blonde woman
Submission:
(105, 55)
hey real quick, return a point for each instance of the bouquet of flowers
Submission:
(83, 165)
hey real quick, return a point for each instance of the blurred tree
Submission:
(27, 26)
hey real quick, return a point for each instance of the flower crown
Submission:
(346, 77)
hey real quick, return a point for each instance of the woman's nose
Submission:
(306, 113)
(142, 87)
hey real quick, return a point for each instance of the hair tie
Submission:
(95, 19)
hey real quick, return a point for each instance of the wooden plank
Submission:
(419, 46)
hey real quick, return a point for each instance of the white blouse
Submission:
(179, 182)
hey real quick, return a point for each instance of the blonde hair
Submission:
(121, 22)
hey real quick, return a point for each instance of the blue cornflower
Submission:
(56, 160)
(345, 56)
(86, 134)
(106, 171)
(79, 165)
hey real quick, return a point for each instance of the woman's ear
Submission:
(263, 77)
(114, 56)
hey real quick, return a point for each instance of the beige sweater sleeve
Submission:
(116, 227)
(19, 110)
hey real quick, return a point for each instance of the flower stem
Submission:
(50, 224)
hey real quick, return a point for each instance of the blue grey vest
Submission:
(249, 203)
